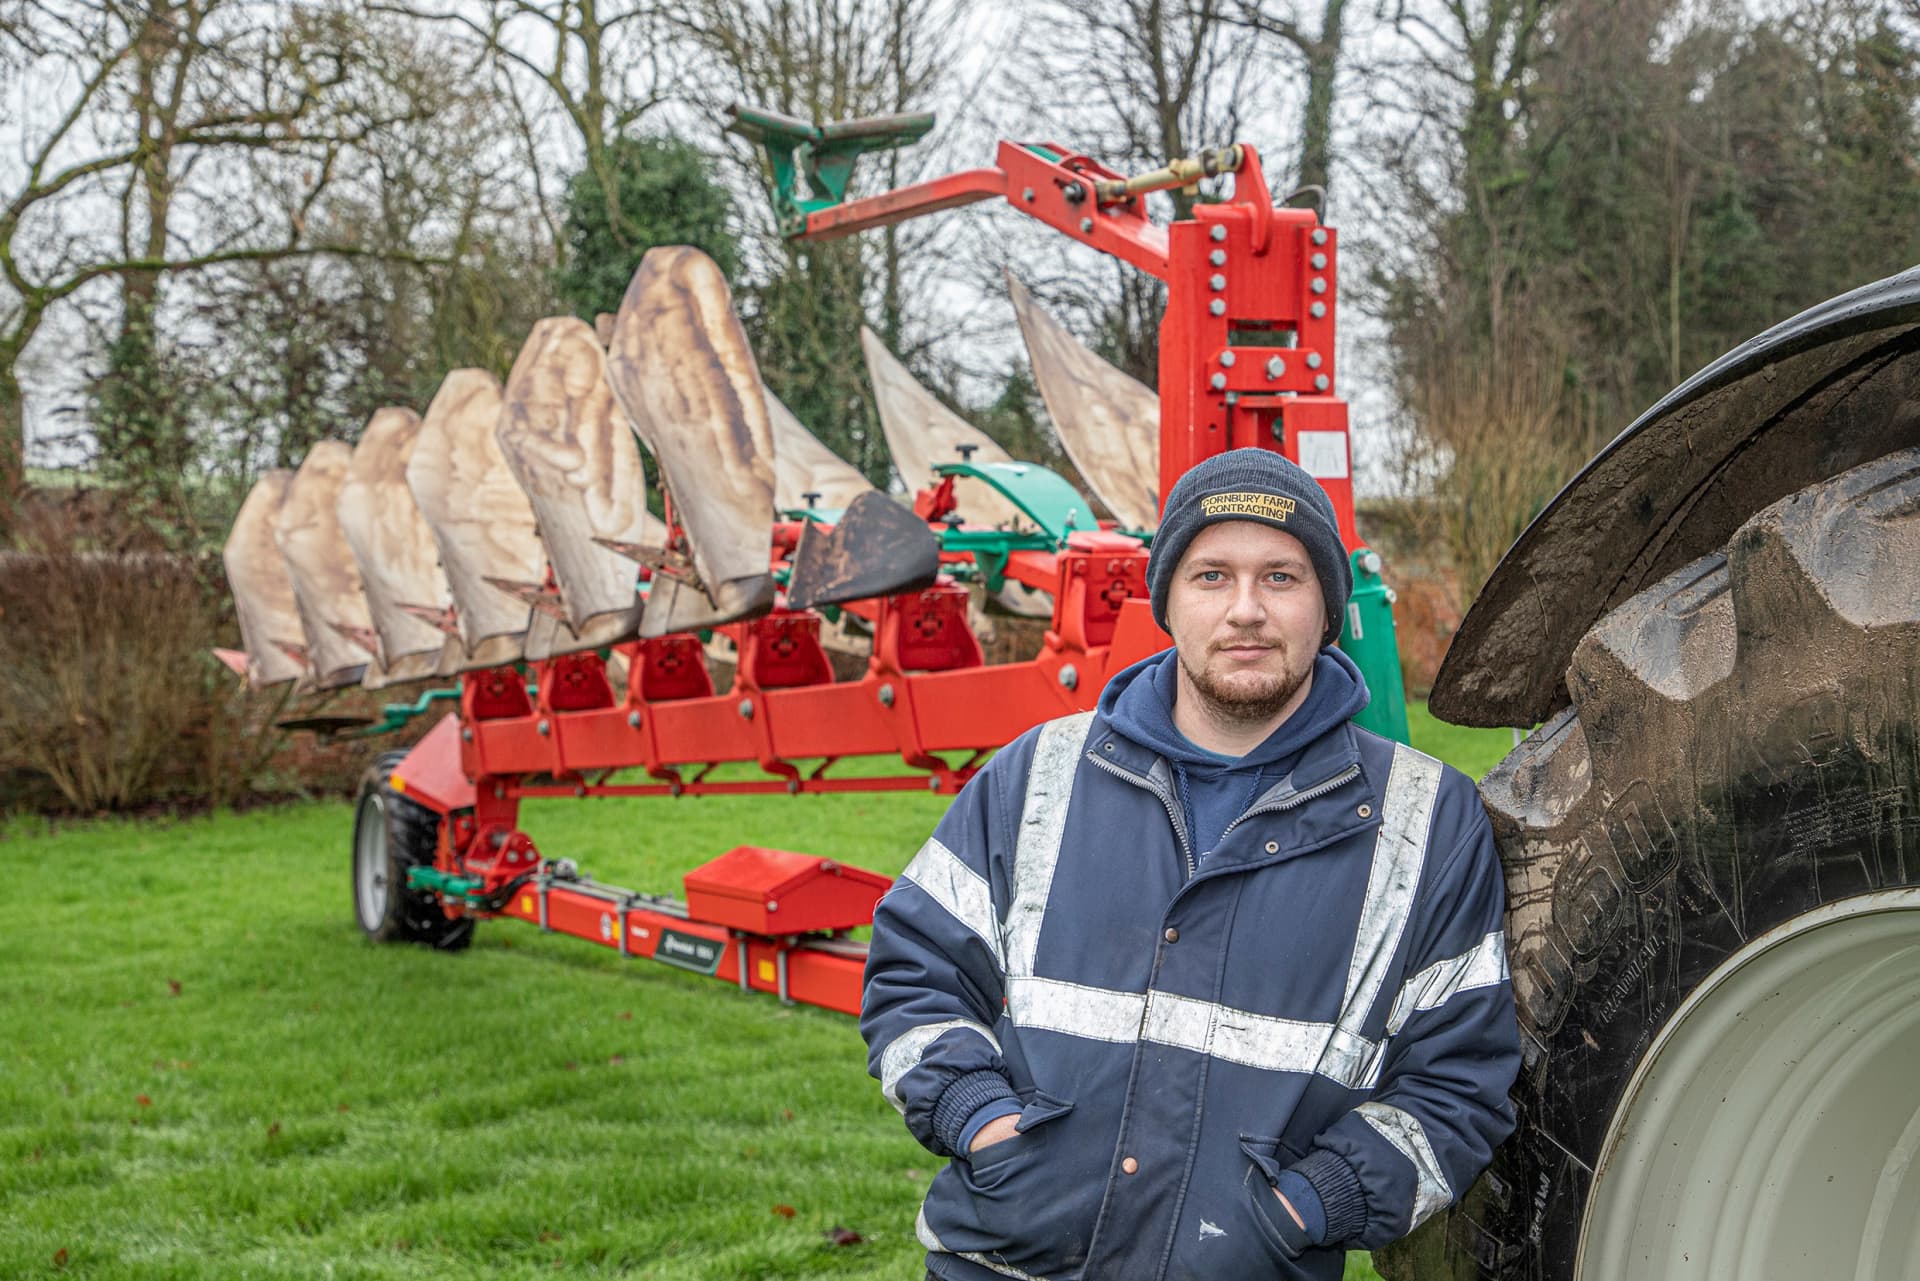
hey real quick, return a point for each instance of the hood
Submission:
(1138, 703)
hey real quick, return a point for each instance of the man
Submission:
(1209, 982)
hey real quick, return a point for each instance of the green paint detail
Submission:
(1370, 641)
(822, 155)
(395, 715)
(450, 884)
(1044, 496)
(1047, 154)
(814, 515)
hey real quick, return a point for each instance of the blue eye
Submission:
(1210, 575)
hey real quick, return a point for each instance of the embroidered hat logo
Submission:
(1272, 507)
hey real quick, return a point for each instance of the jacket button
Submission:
(1172, 935)
(1129, 1166)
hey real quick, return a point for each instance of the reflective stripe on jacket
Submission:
(1332, 984)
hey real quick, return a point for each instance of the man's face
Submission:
(1247, 616)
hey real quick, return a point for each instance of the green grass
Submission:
(303, 1104)
(1472, 751)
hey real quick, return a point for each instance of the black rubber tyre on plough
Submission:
(391, 834)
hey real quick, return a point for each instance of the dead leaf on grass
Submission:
(785, 1211)
(60, 1257)
(838, 1235)
(273, 1131)
(173, 986)
(143, 1100)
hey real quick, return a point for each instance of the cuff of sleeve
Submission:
(1343, 1201)
(963, 1098)
(1294, 1240)
(1306, 1203)
(1008, 1106)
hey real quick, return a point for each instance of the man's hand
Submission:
(1295, 1214)
(998, 1130)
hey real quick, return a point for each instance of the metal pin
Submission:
(1318, 310)
(1321, 383)
(1319, 262)
(886, 695)
(1226, 359)
(1216, 282)
(1275, 367)
(746, 709)
(1319, 235)
(544, 728)
(1318, 285)
(1313, 360)
(1086, 225)
(1217, 307)
(745, 985)
(1218, 382)
(633, 720)
(1218, 257)
(1070, 675)
(1217, 232)
(780, 968)
(1027, 195)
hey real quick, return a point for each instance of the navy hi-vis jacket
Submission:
(1328, 993)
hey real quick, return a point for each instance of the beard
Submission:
(1253, 698)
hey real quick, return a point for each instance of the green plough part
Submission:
(446, 884)
(1045, 496)
(1369, 639)
(395, 715)
(823, 155)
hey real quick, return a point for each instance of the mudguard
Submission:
(1835, 386)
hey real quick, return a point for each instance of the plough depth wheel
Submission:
(390, 835)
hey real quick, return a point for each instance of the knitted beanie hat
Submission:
(1259, 485)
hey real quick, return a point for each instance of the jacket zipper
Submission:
(1313, 793)
(1173, 815)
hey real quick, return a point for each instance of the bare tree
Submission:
(156, 109)
(599, 63)
(1317, 48)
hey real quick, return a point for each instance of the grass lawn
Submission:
(208, 1073)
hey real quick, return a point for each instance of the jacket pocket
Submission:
(1287, 1239)
(987, 1169)
(1031, 1207)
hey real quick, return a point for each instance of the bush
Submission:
(110, 696)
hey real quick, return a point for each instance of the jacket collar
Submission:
(1321, 763)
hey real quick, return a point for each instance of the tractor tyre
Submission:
(1713, 874)
(391, 834)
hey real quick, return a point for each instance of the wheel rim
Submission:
(370, 863)
(1772, 1130)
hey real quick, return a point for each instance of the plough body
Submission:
(567, 688)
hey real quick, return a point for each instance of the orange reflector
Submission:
(766, 971)
(397, 783)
